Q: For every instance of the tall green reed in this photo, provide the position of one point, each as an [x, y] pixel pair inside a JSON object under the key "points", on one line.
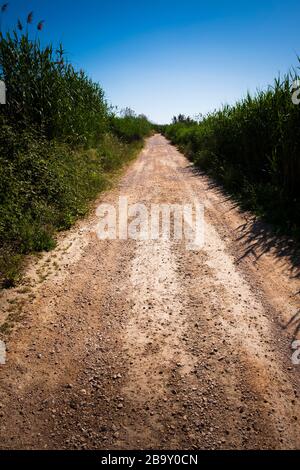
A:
{"points": [[253, 148]]}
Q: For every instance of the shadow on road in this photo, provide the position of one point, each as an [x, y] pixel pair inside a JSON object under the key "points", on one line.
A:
{"points": [[256, 236], [259, 238]]}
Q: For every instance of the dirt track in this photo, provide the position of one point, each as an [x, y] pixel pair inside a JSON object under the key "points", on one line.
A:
{"points": [[126, 345]]}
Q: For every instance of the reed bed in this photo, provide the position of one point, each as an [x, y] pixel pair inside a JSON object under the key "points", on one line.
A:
{"points": [[253, 149], [59, 143]]}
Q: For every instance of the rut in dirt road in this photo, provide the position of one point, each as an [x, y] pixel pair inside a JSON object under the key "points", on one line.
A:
{"points": [[145, 344]]}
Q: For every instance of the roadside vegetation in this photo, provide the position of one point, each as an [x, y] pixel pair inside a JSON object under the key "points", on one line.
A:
{"points": [[59, 142], [253, 149]]}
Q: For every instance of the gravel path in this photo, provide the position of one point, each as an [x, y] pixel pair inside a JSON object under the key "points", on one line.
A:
{"points": [[145, 344]]}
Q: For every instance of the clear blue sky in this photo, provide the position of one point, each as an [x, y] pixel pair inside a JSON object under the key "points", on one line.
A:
{"points": [[169, 56]]}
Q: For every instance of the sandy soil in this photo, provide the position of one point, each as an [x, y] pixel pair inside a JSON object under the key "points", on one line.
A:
{"points": [[145, 344]]}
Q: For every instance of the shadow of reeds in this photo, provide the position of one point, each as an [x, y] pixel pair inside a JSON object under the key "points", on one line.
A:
{"points": [[256, 236]]}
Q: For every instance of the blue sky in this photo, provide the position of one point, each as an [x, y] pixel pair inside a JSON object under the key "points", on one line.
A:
{"points": [[167, 57]]}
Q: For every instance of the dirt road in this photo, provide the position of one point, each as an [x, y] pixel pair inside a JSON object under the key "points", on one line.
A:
{"points": [[128, 345]]}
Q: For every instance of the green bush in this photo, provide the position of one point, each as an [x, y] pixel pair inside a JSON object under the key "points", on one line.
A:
{"points": [[130, 128]]}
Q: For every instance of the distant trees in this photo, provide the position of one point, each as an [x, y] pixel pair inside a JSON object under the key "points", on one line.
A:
{"points": [[182, 119]]}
